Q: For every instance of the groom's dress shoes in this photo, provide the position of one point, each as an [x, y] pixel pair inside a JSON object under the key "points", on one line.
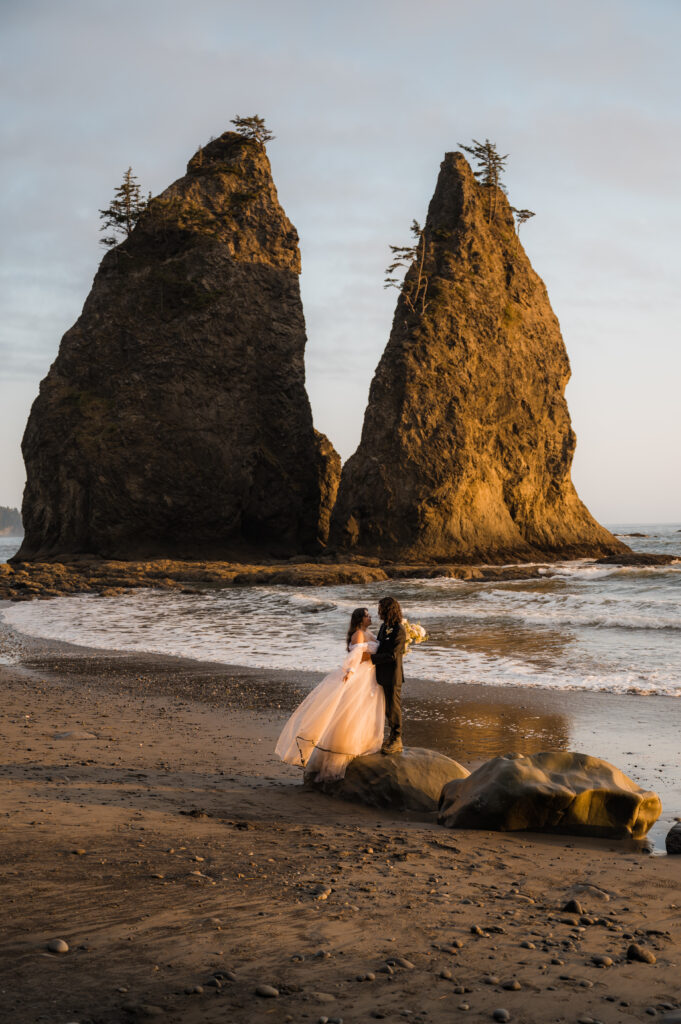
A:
{"points": [[393, 746]]}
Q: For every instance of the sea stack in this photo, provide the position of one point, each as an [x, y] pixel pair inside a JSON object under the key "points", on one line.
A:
{"points": [[467, 446], [175, 419]]}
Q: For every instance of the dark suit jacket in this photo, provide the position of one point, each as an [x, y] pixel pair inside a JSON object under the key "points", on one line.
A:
{"points": [[388, 657]]}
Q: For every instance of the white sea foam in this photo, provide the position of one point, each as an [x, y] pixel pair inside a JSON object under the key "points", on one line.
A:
{"points": [[610, 630]]}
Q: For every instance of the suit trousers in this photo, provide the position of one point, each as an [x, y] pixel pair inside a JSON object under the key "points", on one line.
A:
{"points": [[393, 706]]}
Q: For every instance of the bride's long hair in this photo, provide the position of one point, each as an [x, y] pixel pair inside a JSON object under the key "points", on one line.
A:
{"points": [[355, 621]]}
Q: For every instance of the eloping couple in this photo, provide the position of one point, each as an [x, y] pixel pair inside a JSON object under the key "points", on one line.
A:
{"points": [[343, 717]]}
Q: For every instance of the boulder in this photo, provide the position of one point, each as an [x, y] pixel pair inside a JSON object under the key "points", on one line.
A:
{"points": [[672, 840], [467, 446], [175, 420], [556, 791], [410, 781]]}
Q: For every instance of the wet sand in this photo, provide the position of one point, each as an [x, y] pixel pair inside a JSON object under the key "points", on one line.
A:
{"points": [[110, 762]]}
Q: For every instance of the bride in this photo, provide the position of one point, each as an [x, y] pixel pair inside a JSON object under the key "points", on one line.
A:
{"points": [[343, 716]]}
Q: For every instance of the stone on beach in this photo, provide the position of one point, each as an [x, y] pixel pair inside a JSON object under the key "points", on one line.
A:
{"points": [[556, 791], [641, 954], [267, 991], [57, 946], [410, 781], [672, 840]]}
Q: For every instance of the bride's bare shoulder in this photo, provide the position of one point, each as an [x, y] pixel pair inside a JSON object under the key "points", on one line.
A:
{"points": [[358, 637]]}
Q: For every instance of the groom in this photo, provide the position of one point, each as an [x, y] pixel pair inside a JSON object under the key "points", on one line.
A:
{"points": [[392, 638]]}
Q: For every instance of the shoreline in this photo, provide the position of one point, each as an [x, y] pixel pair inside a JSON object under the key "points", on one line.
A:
{"points": [[470, 722], [147, 823]]}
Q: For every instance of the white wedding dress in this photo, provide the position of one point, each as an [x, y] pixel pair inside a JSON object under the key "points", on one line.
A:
{"points": [[337, 720]]}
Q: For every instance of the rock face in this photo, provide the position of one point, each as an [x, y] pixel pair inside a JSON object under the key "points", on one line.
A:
{"points": [[467, 446], [558, 791], [175, 419], [410, 781]]}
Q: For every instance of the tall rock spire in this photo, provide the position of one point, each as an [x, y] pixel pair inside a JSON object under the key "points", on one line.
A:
{"points": [[175, 420], [467, 446]]}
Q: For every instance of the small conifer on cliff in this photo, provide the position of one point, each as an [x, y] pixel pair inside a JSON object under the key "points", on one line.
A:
{"points": [[253, 127], [491, 166], [123, 211]]}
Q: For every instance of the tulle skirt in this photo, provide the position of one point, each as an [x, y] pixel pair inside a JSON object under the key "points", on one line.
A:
{"points": [[336, 722]]}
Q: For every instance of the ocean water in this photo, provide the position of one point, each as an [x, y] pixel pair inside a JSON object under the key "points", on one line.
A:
{"points": [[9, 546], [579, 626]]}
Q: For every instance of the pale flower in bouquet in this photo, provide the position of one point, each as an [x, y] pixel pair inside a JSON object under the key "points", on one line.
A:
{"points": [[416, 634]]}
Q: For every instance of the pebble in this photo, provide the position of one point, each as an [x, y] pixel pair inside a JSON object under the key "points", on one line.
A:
{"points": [[401, 961], [527, 945], [267, 991], [79, 853], [651, 1011], [214, 983], [57, 946], [602, 961], [573, 907], [447, 975], [491, 979], [194, 990], [370, 976], [476, 930], [512, 986], [464, 1006], [377, 1014], [501, 1015], [641, 954], [558, 963]]}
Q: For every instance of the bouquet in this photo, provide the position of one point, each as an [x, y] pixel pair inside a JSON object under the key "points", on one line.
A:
{"points": [[416, 634]]}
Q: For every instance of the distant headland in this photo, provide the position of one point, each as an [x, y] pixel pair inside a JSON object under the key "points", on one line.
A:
{"points": [[10, 522]]}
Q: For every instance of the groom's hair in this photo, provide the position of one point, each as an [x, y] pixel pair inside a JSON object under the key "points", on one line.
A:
{"points": [[390, 611]]}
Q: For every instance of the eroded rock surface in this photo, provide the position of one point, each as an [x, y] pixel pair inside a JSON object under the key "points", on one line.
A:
{"points": [[556, 791], [410, 781], [175, 420], [467, 446]]}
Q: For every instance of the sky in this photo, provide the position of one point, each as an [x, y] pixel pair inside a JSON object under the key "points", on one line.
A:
{"points": [[364, 99]]}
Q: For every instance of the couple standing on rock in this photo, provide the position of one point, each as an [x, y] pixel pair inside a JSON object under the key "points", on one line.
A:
{"points": [[343, 717]]}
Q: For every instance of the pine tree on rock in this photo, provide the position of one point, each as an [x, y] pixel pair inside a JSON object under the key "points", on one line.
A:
{"points": [[124, 210]]}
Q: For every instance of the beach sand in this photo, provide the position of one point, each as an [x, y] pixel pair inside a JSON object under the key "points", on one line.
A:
{"points": [[146, 822]]}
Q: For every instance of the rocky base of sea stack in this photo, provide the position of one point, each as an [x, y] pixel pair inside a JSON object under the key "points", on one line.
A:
{"points": [[23, 581]]}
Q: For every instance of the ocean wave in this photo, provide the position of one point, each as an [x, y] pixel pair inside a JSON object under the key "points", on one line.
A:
{"points": [[259, 630]]}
